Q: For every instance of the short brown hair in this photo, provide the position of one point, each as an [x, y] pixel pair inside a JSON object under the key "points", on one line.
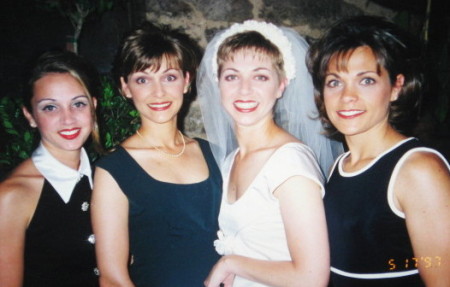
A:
{"points": [[251, 40], [395, 50], [149, 45]]}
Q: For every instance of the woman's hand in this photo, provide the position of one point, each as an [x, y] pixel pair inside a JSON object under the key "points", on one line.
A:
{"points": [[220, 274]]}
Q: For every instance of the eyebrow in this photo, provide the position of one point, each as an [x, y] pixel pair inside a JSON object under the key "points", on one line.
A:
{"points": [[80, 96], [45, 99], [367, 72], [53, 100], [358, 74], [262, 69], [254, 70], [164, 71]]}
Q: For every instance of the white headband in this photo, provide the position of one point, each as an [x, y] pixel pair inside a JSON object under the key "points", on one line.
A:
{"points": [[271, 33]]}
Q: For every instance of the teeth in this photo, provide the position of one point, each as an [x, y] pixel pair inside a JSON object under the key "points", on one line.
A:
{"points": [[350, 113], [69, 133], [245, 105], [163, 105]]}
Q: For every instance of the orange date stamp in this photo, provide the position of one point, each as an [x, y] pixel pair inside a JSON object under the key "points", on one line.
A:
{"points": [[415, 262]]}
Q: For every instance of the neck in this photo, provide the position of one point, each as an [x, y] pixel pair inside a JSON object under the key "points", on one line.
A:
{"points": [[370, 145], [259, 136], [161, 134]]}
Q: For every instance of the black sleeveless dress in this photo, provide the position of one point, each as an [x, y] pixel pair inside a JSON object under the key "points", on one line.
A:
{"points": [[369, 244], [59, 245], [172, 227]]}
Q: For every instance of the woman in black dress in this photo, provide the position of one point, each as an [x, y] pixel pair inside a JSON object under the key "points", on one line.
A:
{"points": [[156, 197], [387, 198], [45, 230]]}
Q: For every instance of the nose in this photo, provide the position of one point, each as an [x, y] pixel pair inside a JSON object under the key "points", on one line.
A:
{"points": [[158, 89], [245, 86], [349, 93], [67, 116]]}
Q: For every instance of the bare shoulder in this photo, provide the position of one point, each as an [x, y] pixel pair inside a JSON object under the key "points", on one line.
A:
{"points": [[424, 179], [423, 165], [22, 187]]}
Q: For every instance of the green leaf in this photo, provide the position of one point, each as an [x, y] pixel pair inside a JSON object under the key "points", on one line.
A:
{"points": [[7, 123]]}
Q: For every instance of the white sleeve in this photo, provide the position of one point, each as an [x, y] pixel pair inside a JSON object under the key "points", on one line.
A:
{"points": [[294, 160]]}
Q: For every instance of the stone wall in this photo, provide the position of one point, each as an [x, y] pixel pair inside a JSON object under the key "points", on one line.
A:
{"points": [[201, 19]]}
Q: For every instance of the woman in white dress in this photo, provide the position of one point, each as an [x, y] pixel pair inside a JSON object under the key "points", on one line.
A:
{"points": [[258, 108]]}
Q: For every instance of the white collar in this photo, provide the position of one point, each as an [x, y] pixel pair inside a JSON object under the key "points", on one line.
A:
{"points": [[62, 178]]}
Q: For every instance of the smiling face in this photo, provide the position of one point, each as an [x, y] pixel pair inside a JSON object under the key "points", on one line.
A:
{"points": [[62, 112], [249, 87], [357, 95], [157, 95]]}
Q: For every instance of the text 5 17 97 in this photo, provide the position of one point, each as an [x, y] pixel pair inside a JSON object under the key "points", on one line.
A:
{"points": [[414, 262]]}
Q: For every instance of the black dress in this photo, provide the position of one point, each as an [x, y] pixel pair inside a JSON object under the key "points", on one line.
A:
{"points": [[172, 227], [59, 245], [369, 243]]}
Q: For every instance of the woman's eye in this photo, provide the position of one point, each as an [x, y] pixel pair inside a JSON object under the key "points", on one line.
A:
{"points": [[262, 78], [48, 108], [80, 104], [368, 81], [332, 83], [171, 78], [230, 77], [141, 80]]}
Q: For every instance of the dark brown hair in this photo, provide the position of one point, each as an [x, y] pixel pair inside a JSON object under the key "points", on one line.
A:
{"points": [[395, 50], [149, 45]]}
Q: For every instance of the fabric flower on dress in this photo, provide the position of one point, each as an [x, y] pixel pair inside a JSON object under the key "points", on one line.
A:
{"points": [[224, 244]]}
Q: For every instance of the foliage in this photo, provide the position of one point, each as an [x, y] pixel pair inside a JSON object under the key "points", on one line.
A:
{"points": [[117, 120], [116, 116], [20, 138]]}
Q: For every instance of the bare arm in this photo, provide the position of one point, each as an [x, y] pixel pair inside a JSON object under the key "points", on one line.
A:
{"points": [[304, 219], [110, 224], [423, 193], [17, 204]]}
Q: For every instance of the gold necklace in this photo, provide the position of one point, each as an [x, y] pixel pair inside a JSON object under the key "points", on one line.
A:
{"points": [[164, 152]]}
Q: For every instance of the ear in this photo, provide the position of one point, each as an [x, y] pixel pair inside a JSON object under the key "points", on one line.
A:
{"points": [[125, 89], [282, 87], [94, 101], [187, 82], [29, 117], [397, 87]]}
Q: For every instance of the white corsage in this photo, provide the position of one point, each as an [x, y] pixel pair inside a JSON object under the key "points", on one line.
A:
{"points": [[271, 33], [224, 244]]}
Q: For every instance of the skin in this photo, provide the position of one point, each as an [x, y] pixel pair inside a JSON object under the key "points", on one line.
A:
{"points": [[167, 86], [158, 96], [249, 88], [62, 113], [357, 103]]}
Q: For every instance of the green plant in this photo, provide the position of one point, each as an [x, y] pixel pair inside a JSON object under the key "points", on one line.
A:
{"points": [[117, 117], [20, 138]]}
